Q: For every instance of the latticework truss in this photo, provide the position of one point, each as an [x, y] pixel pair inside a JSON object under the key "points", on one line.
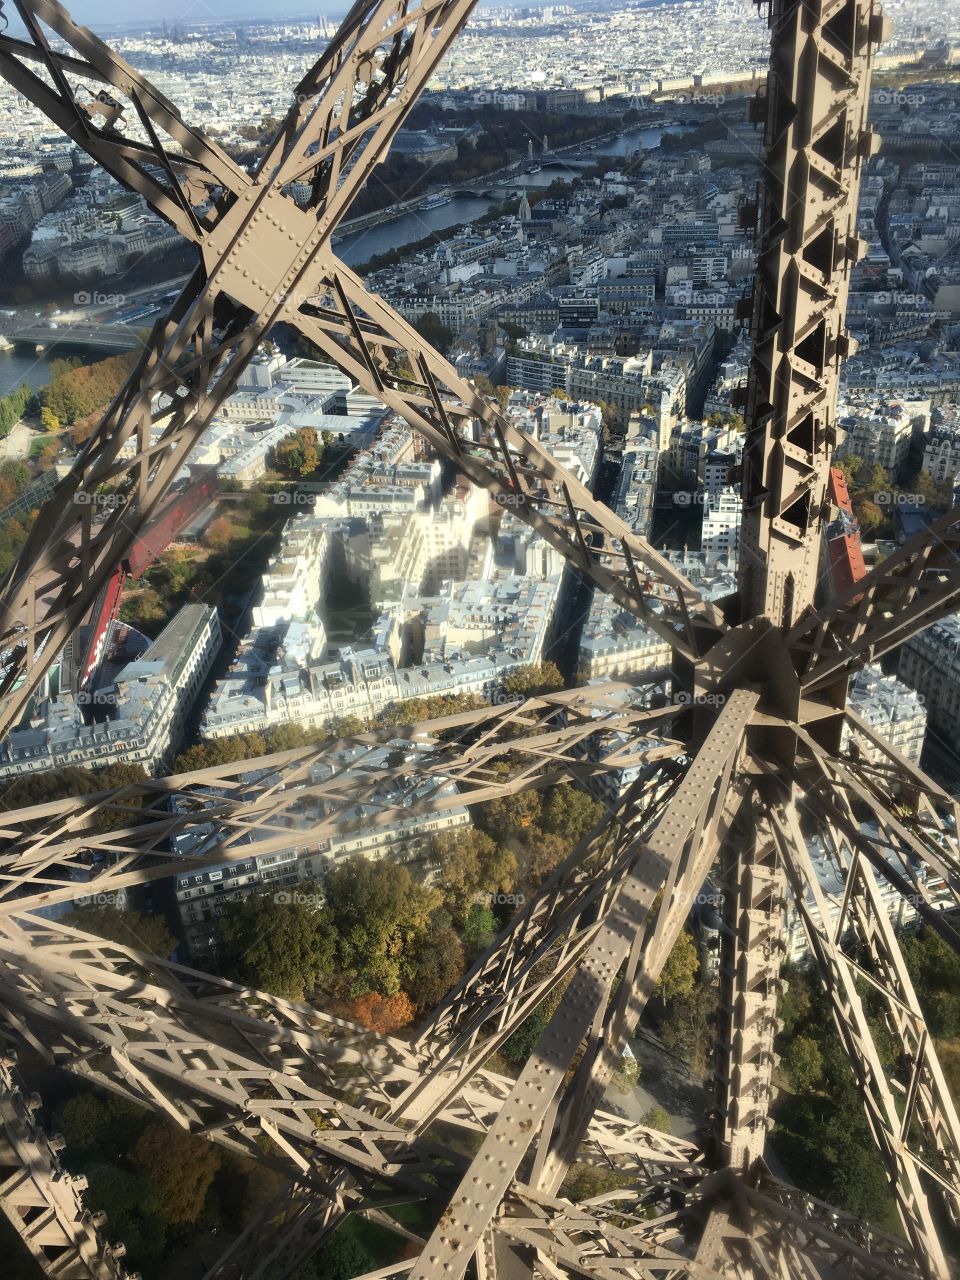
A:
{"points": [[732, 782]]}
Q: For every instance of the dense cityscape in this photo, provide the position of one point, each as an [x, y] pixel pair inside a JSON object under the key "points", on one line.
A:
{"points": [[569, 216]]}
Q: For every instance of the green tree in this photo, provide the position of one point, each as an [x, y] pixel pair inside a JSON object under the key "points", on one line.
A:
{"points": [[286, 737], [584, 1181], [479, 929], [431, 327], [76, 391], [14, 477], [679, 975], [469, 863], [684, 1026], [299, 453], [343, 1256], [570, 812], [510, 816], [205, 755], [377, 916], [518, 1047], [436, 962], [544, 853], [869, 515], [796, 1002], [279, 942], [12, 408], [414, 710], [875, 480], [61, 784], [98, 1126], [540, 677], [803, 1063], [657, 1118], [850, 464], [935, 970], [129, 928], [857, 1181], [132, 1204], [180, 1165]]}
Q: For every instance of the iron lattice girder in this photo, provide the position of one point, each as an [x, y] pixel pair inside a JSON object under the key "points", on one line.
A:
{"points": [[927, 824], [173, 1032], [251, 808], [815, 141], [910, 854], [609, 1238], [175, 167], [915, 586], [834, 1239], [876, 958], [926, 1098], [709, 826], [264, 258], [673, 858], [43, 1202], [549, 933], [763, 1228], [169, 1048]]}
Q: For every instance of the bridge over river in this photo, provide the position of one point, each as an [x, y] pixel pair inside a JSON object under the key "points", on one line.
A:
{"points": [[102, 337]]}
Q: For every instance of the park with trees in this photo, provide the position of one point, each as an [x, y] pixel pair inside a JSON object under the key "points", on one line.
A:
{"points": [[876, 495]]}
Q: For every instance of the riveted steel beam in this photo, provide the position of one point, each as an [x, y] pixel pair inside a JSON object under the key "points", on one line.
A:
{"points": [[815, 141], [43, 1202]]}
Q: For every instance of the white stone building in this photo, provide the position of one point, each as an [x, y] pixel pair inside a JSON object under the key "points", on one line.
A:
{"points": [[930, 663], [892, 709], [720, 534], [147, 707], [202, 897]]}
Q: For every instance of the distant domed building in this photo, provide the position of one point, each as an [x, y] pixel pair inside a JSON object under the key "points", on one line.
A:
{"points": [[423, 146]]}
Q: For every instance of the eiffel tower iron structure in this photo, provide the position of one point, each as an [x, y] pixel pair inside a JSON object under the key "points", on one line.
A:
{"points": [[733, 783]]}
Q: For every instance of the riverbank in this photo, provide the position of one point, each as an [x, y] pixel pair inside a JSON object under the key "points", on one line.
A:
{"points": [[400, 234]]}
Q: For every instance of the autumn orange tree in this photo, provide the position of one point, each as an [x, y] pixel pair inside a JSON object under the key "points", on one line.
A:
{"points": [[383, 1014], [76, 391]]}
